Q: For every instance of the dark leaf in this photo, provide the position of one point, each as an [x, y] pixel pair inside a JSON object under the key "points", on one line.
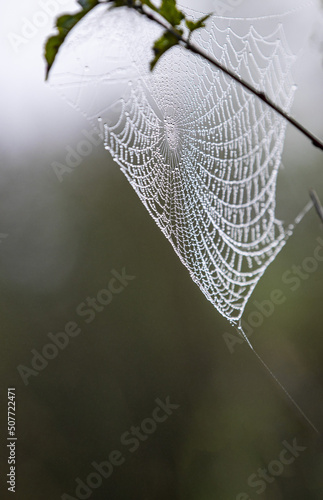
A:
{"points": [[164, 43], [51, 49], [170, 12], [64, 25], [66, 22], [119, 3]]}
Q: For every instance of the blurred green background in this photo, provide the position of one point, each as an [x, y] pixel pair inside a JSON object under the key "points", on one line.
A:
{"points": [[160, 337]]}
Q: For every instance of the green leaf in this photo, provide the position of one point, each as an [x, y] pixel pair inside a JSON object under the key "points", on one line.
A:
{"points": [[170, 12], [164, 43], [167, 10], [64, 25], [66, 22], [119, 3], [192, 26]]}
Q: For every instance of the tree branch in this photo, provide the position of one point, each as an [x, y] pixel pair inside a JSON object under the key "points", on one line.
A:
{"points": [[171, 20], [317, 204], [260, 94]]}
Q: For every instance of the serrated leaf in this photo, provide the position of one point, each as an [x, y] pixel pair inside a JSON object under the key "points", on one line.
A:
{"points": [[64, 25], [164, 43]]}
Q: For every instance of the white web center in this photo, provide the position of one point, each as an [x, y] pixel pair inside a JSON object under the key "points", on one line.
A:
{"points": [[172, 132]]}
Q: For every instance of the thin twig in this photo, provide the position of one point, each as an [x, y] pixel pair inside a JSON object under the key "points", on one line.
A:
{"points": [[260, 94], [317, 204]]}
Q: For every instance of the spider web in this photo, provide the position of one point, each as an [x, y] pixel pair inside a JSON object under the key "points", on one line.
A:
{"points": [[201, 152]]}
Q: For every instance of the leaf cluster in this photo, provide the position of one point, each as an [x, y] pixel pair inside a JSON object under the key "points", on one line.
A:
{"points": [[167, 11]]}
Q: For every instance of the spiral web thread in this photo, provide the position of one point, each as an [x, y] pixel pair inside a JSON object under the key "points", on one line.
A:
{"points": [[203, 155]]}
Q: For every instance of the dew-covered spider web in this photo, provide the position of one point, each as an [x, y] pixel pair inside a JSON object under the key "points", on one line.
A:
{"points": [[201, 152]]}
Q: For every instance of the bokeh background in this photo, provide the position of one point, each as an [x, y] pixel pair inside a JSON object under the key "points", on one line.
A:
{"points": [[160, 337]]}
